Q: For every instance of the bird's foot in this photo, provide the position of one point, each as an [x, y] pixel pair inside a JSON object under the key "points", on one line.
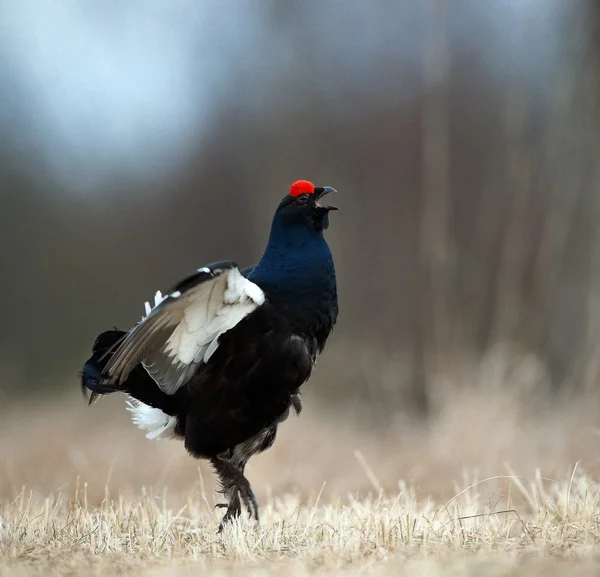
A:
{"points": [[234, 510], [239, 491], [249, 499]]}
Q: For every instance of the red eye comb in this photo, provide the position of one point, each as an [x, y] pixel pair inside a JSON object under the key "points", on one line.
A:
{"points": [[302, 187]]}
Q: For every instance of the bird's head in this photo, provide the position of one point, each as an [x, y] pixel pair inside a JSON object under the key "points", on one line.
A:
{"points": [[301, 207], [297, 263]]}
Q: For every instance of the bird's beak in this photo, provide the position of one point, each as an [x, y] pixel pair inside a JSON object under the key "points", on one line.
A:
{"points": [[321, 192]]}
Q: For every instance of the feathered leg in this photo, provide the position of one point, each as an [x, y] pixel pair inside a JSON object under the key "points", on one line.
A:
{"points": [[230, 468], [234, 486], [232, 496]]}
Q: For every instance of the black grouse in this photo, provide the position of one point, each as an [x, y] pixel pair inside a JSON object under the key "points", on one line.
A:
{"points": [[219, 360]]}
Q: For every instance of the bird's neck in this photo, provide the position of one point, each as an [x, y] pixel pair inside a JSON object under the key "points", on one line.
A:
{"points": [[296, 267]]}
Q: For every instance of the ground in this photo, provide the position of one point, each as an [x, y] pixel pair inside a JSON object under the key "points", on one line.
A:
{"points": [[386, 535], [502, 489]]}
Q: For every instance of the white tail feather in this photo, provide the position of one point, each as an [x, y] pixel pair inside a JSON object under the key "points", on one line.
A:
{"points": [[158, 424]]}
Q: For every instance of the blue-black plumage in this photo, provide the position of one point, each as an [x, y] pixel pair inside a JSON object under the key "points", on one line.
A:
{"points": [[219, 360]]}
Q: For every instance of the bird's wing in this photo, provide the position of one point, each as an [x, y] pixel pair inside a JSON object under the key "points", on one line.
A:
{"points": [[247, 270], [181, 332]]}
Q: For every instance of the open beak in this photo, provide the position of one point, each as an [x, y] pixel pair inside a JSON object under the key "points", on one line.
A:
{"points": [[321, 192]]}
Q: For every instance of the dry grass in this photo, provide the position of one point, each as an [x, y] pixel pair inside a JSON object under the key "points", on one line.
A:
{"points": [[557, 523], [83, 493]]}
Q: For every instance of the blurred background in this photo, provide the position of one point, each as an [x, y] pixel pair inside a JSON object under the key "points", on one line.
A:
{"points": [[142, 139]]}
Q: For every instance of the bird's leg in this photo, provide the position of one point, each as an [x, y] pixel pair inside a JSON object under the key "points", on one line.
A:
{"points": [[233, 506], [230, 490], [234, 486]]}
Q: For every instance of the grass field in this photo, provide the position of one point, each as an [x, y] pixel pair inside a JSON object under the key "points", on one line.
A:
{"points": [[500, 482], [397, 534]]}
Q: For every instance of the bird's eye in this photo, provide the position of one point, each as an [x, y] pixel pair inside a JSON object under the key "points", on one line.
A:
{"points": [[302, 199]]}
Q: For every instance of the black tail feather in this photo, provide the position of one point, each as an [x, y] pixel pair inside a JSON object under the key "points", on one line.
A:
{"points": [[91, 375], [139, 383]]}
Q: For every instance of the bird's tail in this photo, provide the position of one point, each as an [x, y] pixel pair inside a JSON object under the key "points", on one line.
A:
{"points": [[91, 375], [139, 384]]}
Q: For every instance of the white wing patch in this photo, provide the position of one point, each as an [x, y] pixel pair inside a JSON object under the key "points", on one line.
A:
{"points": [[195, 339], [158, 298], [158, 424], [181, 331]]}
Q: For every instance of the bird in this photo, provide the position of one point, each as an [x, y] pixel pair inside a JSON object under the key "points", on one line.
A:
{"points": [[218, 360]]}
